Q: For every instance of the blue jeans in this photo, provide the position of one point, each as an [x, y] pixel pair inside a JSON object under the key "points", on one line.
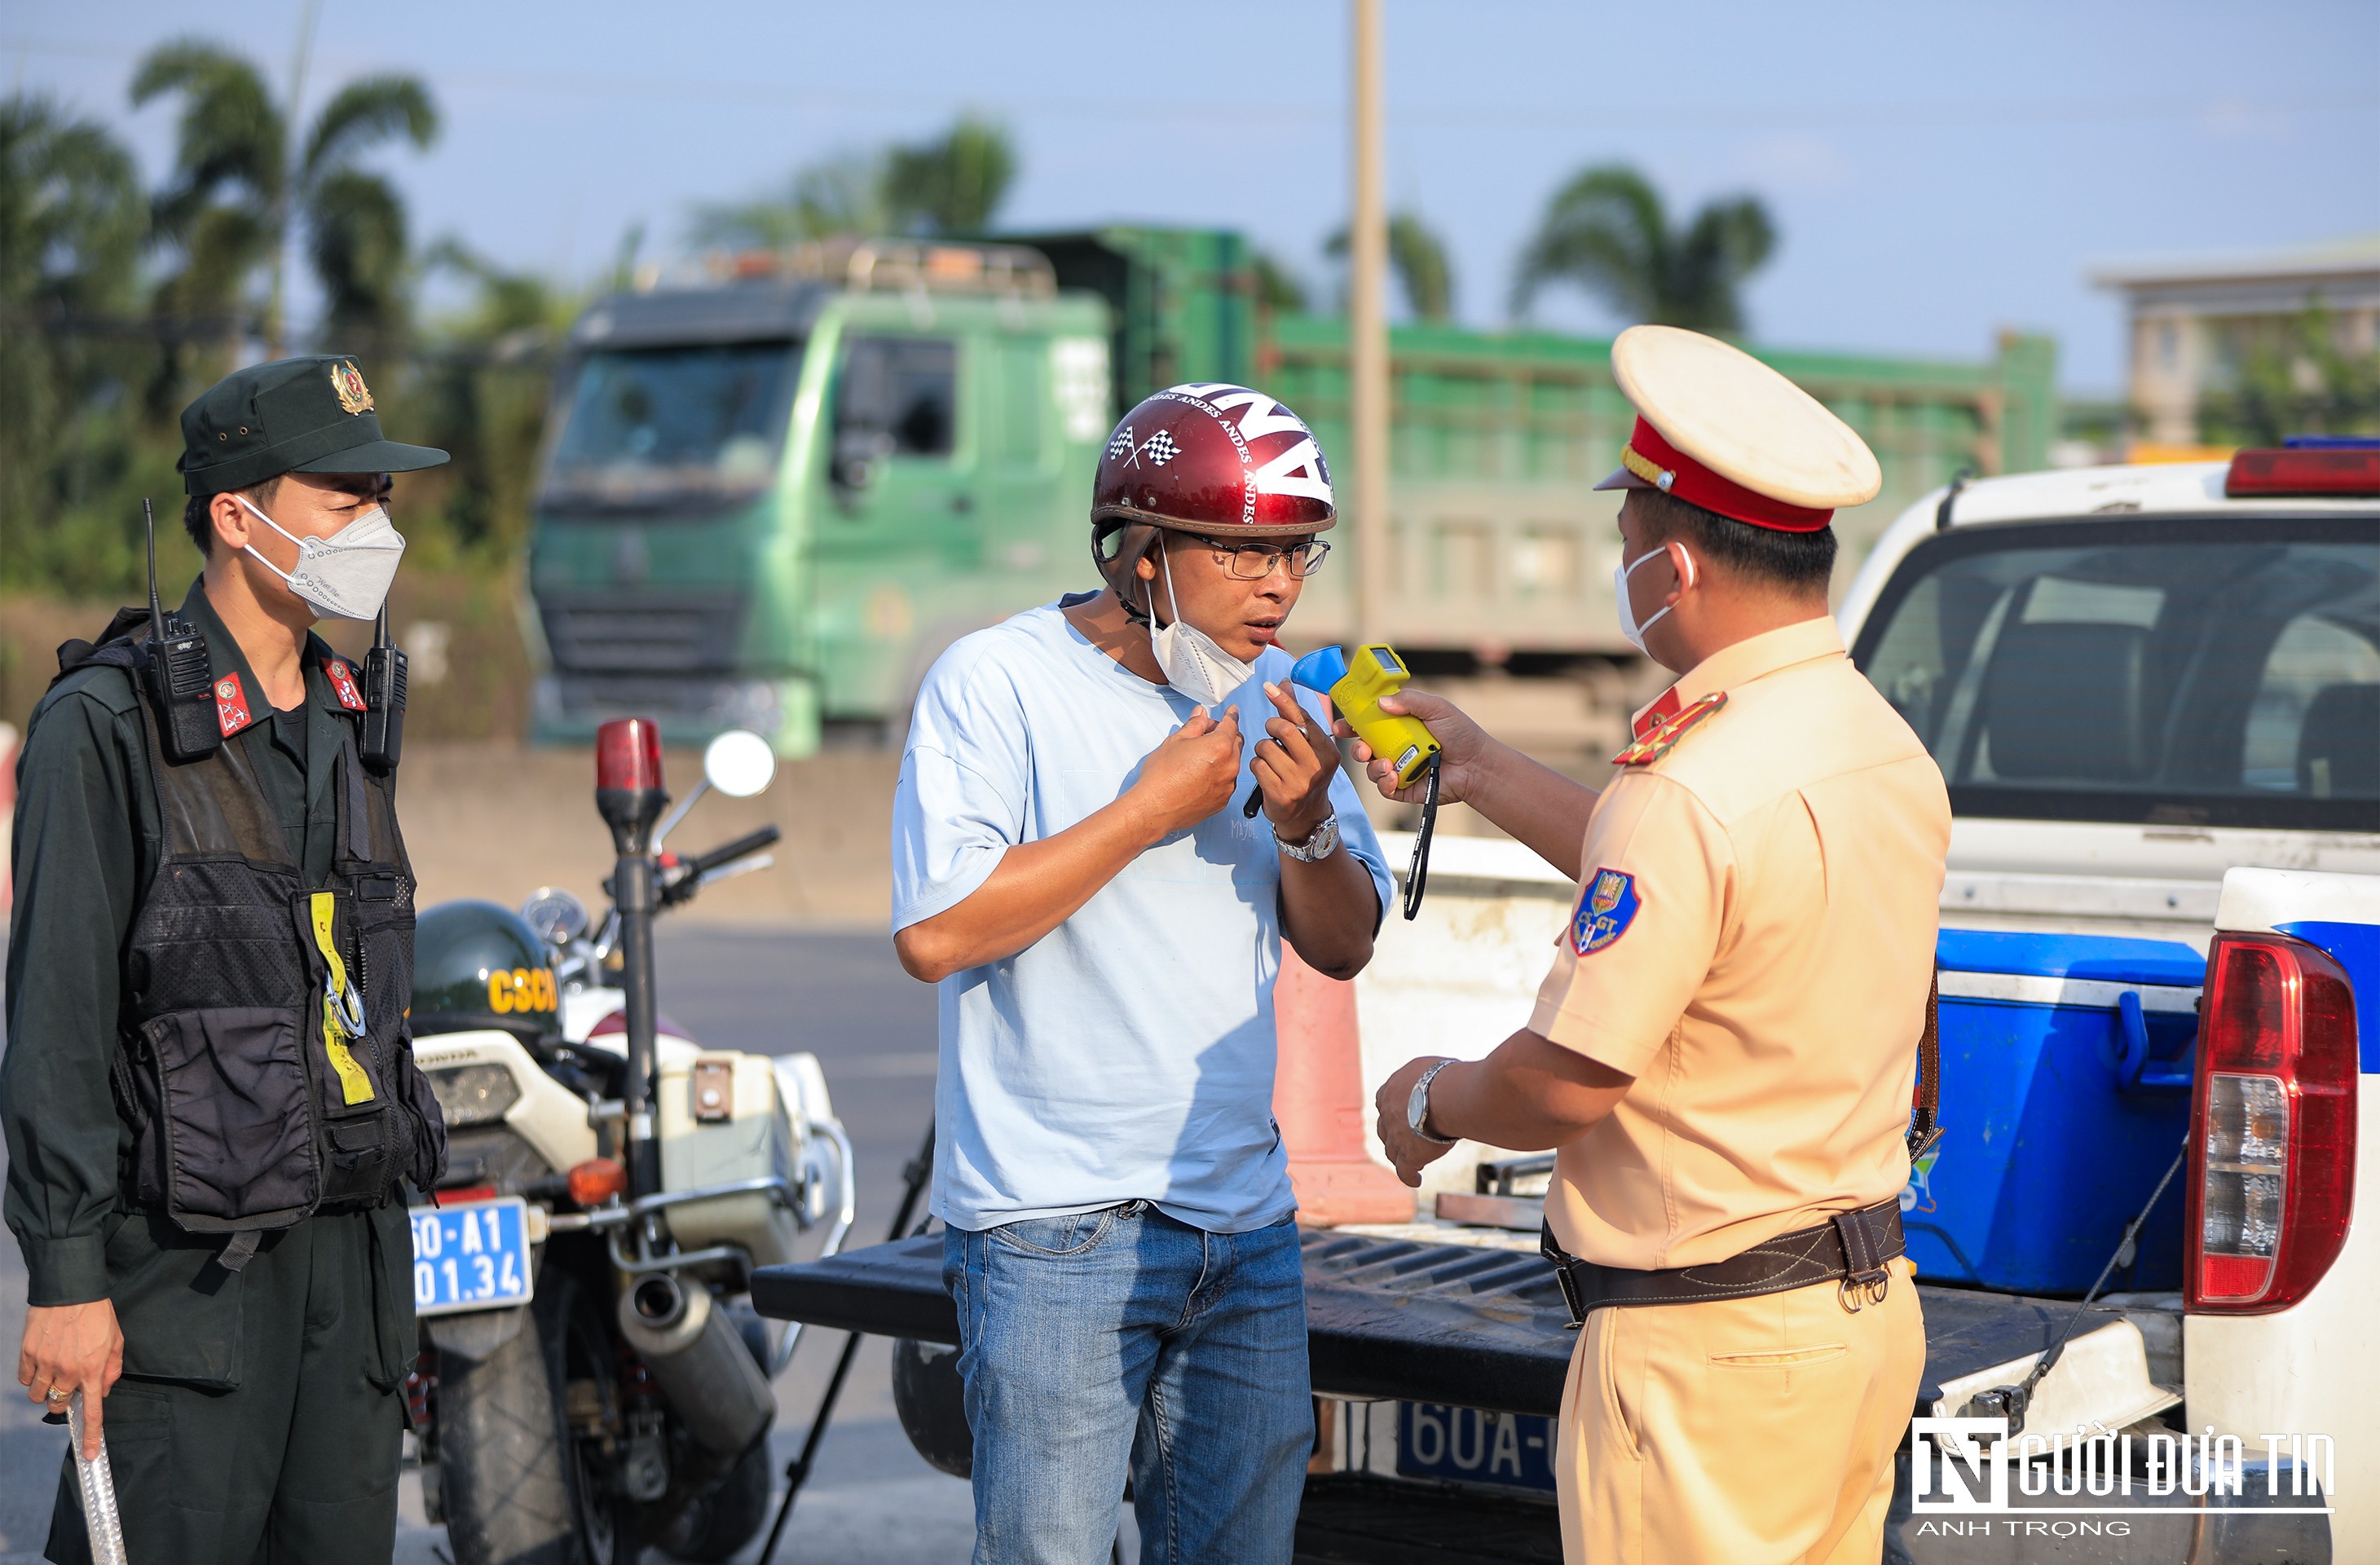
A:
{"points": [[1122, 1340]]}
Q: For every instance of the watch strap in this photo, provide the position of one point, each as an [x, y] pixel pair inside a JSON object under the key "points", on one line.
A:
{"points": [[1418, 1123]]}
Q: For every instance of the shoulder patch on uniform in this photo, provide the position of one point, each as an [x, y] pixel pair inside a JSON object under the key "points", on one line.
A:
{"points": [[1605, 910], [1660, 739], [342, 683], [231, 706]]}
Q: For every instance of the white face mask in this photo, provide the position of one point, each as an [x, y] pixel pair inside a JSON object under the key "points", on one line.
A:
{"points": [[1620, 575], [346, 575], [1194, 664]]}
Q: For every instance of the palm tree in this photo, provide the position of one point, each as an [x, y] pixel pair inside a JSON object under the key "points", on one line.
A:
{"points": [[953, 183], [71, 224], [241, 185], [1278, 287], [1608, 233], [487, 370], [1418, 257], [844, 194], [947, 186]]}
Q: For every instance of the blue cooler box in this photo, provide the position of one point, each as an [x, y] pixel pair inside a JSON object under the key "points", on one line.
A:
{"points": [[2066, 1065]]}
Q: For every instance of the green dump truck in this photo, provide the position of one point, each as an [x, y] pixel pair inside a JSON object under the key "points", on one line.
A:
{"points": [[774, 493]]}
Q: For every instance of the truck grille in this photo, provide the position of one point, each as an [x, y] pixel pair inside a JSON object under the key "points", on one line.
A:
{"points": [[642, 632]]}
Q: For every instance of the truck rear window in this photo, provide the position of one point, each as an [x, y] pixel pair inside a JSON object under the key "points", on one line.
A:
{"points": [[653, 425], [2198, 671]]}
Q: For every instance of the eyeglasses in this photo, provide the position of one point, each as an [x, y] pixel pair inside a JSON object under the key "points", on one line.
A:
{"points": [[1254, 562]]}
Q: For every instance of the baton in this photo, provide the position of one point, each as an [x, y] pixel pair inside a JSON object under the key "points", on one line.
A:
{"points": [[97, 1487]]}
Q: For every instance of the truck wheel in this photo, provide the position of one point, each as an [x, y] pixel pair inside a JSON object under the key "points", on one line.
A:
{"points": [[507, 1475], [714, 1526]]}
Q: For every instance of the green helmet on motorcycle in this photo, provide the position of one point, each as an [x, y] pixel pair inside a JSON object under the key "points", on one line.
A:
{"points": [[477, 966]]}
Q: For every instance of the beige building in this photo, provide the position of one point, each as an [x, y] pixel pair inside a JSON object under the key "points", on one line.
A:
{"points": [[2194, 322]]}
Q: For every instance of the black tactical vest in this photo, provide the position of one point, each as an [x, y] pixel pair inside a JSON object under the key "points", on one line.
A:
{"points": [[265, 1066]]}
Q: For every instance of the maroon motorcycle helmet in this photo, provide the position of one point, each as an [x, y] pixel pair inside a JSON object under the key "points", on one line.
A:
{"points": [[1211, 458]]}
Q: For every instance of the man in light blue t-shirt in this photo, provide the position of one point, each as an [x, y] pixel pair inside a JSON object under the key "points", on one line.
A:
{"points": [[1072, 866]]}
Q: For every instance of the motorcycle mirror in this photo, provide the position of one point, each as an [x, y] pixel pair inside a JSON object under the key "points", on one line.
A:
{"points": [[739, 763]]}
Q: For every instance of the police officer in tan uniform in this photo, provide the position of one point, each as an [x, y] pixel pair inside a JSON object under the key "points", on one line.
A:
{"points": [[1725, 1049]]}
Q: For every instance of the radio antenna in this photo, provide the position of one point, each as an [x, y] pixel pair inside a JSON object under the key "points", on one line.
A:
{"points": [[156, 610]]}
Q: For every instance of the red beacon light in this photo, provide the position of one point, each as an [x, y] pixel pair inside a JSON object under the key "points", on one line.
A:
{"points": [[628, 755], [628, 793], [2307, 466]]}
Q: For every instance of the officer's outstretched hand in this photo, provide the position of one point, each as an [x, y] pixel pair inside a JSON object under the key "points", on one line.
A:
{"points": [[1408, 1153], [72, 1348], [1465, 748], [1191, 775]]}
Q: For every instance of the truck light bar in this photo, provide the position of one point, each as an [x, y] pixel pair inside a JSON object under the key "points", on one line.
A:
{"points": [[2305, 471], [2272, 1152]]}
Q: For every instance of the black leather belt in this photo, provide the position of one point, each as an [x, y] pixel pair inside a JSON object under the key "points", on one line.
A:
{"points": [[1851, 1249]]}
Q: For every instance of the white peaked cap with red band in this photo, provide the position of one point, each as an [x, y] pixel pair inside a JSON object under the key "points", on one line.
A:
{"points": [[1718, 429]]}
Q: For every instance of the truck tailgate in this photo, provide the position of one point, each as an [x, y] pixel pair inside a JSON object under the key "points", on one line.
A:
{"points": [[1390, 1318]]}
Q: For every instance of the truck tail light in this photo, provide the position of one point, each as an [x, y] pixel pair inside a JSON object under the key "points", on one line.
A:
{"points": [[2313, 470], [2272, 1151]]}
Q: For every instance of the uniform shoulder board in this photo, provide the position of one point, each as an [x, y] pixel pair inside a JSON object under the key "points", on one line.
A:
{"points": [[1660, 739]]}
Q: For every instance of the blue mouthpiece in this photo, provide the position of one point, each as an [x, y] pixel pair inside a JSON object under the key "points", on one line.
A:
{"points": [[1320, 669]]}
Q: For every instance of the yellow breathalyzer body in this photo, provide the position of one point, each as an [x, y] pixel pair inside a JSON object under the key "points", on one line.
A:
{"points": [[1355, 686]]}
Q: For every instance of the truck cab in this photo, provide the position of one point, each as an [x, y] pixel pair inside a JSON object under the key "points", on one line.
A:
{"points": [[774, 494]]}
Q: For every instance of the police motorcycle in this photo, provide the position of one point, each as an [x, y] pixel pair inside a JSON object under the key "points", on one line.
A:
{"points": [[592, 1378]]}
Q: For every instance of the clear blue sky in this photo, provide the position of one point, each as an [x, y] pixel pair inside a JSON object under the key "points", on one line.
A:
{"points": [[1937, 172]]}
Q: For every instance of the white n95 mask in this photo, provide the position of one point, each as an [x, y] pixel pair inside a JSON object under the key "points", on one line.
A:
{"points": [[346, 575], [1194, 664], [1620, 575]]}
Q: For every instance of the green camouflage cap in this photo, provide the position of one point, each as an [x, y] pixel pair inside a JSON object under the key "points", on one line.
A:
{"points": [[310, 415]]}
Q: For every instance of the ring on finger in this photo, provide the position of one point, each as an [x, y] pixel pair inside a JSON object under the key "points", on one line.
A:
{"points": [[57, 1395]]}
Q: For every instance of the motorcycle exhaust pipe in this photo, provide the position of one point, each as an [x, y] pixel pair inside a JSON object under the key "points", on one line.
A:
{"points": [[700, 1363]]}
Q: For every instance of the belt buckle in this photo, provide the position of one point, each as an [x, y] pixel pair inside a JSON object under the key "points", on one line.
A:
{"points": [[1562, 1278], [1571, 1300]]}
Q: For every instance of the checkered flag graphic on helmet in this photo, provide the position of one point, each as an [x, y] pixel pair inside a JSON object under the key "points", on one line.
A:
{"points": [[1120, 441], [1159, 448]]}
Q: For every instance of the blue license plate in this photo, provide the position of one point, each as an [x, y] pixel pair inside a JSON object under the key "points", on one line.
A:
{"points": [[1467, 1445], [470, 1258]]}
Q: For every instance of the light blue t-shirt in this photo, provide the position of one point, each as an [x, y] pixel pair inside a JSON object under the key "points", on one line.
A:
{"points": [[1127, 1054]]}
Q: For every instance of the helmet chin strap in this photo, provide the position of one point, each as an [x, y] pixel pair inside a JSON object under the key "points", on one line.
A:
{"points": [[1123, 567]]}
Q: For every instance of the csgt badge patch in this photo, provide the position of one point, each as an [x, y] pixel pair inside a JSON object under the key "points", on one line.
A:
{"points": [[1605, 912]]}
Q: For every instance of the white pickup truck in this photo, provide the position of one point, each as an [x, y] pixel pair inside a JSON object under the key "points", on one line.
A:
{"points": [[2154, 694]]}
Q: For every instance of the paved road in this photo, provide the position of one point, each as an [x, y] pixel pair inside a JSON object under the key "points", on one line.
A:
{"points": [[872, 1500]]}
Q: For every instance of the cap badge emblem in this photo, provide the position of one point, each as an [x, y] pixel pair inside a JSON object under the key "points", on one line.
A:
{"points": [[348, 381]]}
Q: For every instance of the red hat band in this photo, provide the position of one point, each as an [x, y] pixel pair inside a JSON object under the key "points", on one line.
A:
{"points": [[1671, 471]]}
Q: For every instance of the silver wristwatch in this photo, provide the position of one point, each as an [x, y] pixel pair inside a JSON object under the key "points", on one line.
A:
{"points": [[1319, 843], [1418, 1108]]}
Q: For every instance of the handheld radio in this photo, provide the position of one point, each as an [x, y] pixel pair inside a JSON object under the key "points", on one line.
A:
{"points": [[384, 734], [1406, 742], [175, 668]]}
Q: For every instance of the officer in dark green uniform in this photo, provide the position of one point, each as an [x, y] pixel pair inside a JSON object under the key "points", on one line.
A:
{"points": [[208, 1093]]}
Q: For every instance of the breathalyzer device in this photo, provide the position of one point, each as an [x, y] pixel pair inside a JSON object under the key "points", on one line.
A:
{"points": [[1356, 689]]}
